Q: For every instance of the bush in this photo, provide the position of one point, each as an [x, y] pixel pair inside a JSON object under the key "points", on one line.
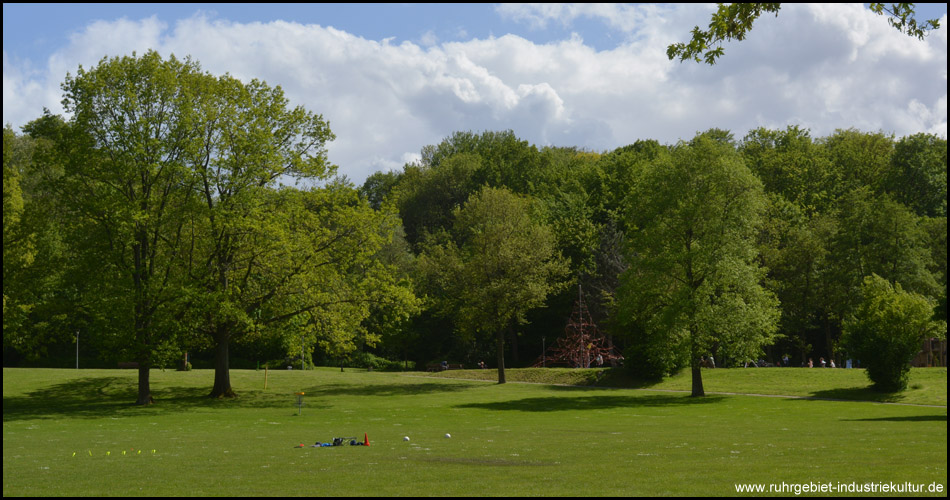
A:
{"points": [[651, 356], [369, 360], [887, 329]]}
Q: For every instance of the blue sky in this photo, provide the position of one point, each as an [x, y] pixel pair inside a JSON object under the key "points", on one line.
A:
{"points": [[35, 30], [392, 78]]}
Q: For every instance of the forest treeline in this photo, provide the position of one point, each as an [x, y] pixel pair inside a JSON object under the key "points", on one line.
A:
{"points": [[175, 211]]}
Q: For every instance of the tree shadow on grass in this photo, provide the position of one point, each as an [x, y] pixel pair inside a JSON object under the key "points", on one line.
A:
{"points": [[393, 389], [859, 394], [592, 402], [98, 397], [83, 398]]}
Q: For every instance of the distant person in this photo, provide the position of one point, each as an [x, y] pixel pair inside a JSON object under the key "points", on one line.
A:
{"points": [[831, 363], [481, 364], [712, 361], [821, 361], [445, 365], [785, 360], [600, 360], [811, 364]]}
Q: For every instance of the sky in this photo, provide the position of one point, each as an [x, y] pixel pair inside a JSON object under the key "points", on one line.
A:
{"points": [[393, 78]]}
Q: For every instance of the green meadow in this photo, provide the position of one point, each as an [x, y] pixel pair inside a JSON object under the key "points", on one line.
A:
{"points": [[75, 433]]}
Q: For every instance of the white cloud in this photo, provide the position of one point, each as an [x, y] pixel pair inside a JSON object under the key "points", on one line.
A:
{"points": [[820, 67]]}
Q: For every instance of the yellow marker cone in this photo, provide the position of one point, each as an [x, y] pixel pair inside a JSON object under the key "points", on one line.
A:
{"points": [[74, 453], [90, 452], [123, 452], [140, 452], [108, 453]]}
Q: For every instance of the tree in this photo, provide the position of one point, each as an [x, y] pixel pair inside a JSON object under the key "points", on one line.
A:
{"points": [[501, 264], [249, 140], [886, 331], [694, 283], [134, 120], [733, 21]]}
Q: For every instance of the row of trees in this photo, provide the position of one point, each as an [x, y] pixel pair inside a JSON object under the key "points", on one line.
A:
{"points": [[740, 249], [179, 211], [161, 216]]}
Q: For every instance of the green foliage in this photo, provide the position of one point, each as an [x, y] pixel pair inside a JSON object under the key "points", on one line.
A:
{"points": [[498, 264], [17, 244], [369, 360], [901, 17], [886, 331], [858, 159], [877, 236], [730, 21], [918, 174], [789, 163], [693, 285], [427, 196], [733, 21], [124, 190]]}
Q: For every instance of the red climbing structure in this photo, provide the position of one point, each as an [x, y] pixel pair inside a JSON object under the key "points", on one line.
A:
{"points": [[581, 344]]}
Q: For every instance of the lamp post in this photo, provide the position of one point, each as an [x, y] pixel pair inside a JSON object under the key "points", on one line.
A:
{"points": [[77, 349]]}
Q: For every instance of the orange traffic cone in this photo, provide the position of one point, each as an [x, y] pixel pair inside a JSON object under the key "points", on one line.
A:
{"points": [[365, 439]]}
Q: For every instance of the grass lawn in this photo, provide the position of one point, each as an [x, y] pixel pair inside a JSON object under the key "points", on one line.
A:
{"points": [[514, 439]]}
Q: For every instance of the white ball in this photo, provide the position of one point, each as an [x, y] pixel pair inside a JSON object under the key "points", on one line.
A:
{"points": [[405, 438], [448, 435]]}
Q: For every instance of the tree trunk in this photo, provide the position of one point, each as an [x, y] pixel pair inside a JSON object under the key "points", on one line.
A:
{"points": [[501, 356], [697, 381], [222, 375], [142, 316], [145, 393]]}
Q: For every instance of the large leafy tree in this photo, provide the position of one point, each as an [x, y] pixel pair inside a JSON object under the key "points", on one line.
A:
{"points": [[694, 284], [500, 263], [250, 139], [135, 123]]}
